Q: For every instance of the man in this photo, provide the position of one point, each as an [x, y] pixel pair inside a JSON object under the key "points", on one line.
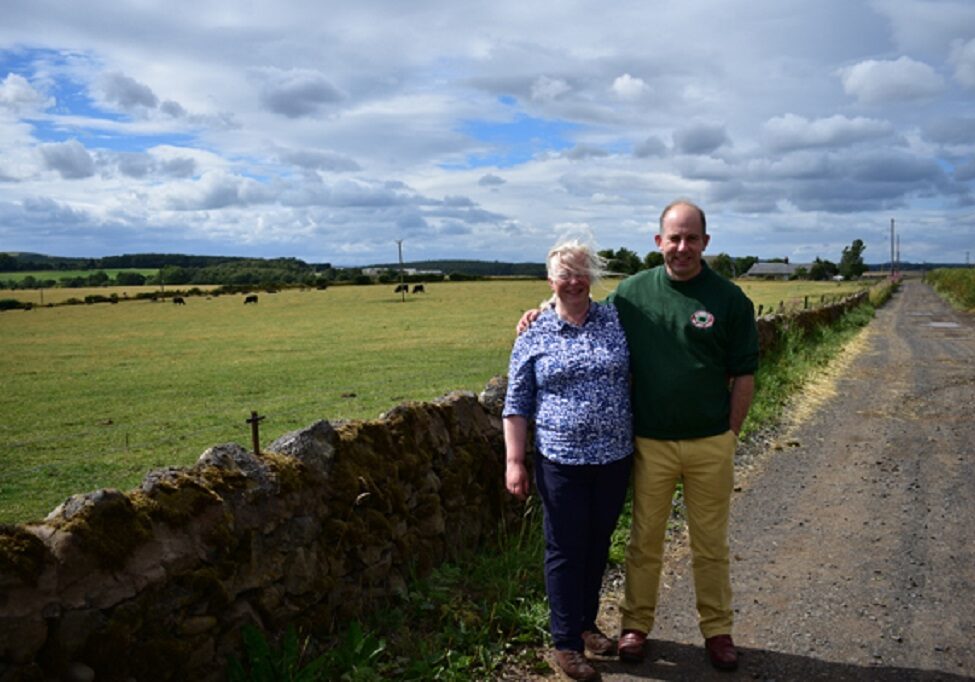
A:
{"points": [[694, 352]]}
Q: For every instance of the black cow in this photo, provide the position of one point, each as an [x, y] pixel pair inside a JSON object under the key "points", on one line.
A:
{"points": [[178, 300], [405, 288], [418, 289], [251, 299]]}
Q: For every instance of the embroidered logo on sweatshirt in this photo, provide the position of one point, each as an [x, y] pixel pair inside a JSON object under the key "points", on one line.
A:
{"points": [[702, 319]]}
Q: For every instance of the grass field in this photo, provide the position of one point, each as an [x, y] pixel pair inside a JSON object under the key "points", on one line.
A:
{"points": [[96, 395]]}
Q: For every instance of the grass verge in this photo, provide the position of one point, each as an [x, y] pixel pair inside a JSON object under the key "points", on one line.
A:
{"points": [[955, 285]]}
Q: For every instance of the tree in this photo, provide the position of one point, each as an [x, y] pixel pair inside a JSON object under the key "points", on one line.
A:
{"points": [[723, 265], [130, 279], [652, 260], [851, 262], [622, 262], [744, 264], [174, 274], [8, 263], [822, 269], [98, 279]]}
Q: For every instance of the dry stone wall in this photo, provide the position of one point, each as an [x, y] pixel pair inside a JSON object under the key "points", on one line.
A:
{"points": [[773, 328], [326, 524]]}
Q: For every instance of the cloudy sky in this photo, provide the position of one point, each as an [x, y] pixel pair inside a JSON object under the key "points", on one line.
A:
{"points": [[329, 130]]}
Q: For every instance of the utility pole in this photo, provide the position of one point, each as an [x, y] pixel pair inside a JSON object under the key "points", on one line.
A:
{"points": [[402, 286], [898, 252], [891, 247]]}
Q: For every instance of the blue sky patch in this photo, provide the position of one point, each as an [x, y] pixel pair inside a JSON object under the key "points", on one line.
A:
{"points": [[93, 138], [518, 140], [44, 69]]}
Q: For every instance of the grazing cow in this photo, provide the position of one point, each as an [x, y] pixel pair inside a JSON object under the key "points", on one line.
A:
{"points": [[418, 289], [405, 288], [178, 300], [251, 299]]}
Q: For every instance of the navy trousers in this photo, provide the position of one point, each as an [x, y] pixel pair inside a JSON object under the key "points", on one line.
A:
{"points": [[582, 504]]}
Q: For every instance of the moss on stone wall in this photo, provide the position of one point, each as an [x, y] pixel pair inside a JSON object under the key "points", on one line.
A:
{"points": [[21, 554], [109, 528]]}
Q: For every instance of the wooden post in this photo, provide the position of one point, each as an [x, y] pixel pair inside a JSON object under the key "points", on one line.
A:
{"points": [[255, 433]]}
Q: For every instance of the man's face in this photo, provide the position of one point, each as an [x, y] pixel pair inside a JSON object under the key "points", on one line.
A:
{"points": [[682, 241]]}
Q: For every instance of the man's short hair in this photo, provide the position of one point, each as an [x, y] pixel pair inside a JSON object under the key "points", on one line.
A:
{"points": [[691, 204]]}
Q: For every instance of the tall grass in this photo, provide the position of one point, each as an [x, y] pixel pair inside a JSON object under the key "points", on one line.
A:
{"points": [[956, 285]]}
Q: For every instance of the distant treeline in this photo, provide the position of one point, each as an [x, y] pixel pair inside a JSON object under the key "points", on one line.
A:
{"points": [[25, 262], [180, 269]]}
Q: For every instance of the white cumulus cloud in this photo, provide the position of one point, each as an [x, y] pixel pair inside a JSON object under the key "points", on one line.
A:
{"points": [[628, 87], [876, 82], [790, 132], [19, 96]]}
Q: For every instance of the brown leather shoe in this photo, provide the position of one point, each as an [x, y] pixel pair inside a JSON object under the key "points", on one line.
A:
{"points": [[721, 651], [632, 646], [598, 644], [574, 665]]}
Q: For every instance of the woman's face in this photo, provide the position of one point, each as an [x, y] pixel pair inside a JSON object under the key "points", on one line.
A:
{"points": [[570, 280]]}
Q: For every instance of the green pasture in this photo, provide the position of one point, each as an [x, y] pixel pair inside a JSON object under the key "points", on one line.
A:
{"points": [[96, 395]]}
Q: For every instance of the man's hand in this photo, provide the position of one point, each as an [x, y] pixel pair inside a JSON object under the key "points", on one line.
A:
{"points": [[742, 390], [526, 320]]}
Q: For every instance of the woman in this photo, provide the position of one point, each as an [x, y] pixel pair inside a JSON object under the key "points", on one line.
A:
{"points": [[569, 375]]}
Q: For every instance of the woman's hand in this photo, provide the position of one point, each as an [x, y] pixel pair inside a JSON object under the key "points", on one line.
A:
{"points": [[515, 473], [516, 479]]}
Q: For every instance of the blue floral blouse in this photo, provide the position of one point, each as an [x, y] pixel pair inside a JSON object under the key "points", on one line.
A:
{"points": [[573, 381]]}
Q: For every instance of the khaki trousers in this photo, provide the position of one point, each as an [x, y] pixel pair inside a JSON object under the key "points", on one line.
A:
{"points": [[706, 466]]}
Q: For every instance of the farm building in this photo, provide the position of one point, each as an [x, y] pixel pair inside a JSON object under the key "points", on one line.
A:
{"points": [[774, 270]]}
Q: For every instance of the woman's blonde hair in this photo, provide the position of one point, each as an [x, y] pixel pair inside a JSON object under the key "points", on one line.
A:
{"points": [[585, 260]]}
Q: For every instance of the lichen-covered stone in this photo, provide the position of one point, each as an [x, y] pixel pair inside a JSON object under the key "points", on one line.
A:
{"points": [[22, 556], [107, 526], [492, 397], [313, 445]]}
